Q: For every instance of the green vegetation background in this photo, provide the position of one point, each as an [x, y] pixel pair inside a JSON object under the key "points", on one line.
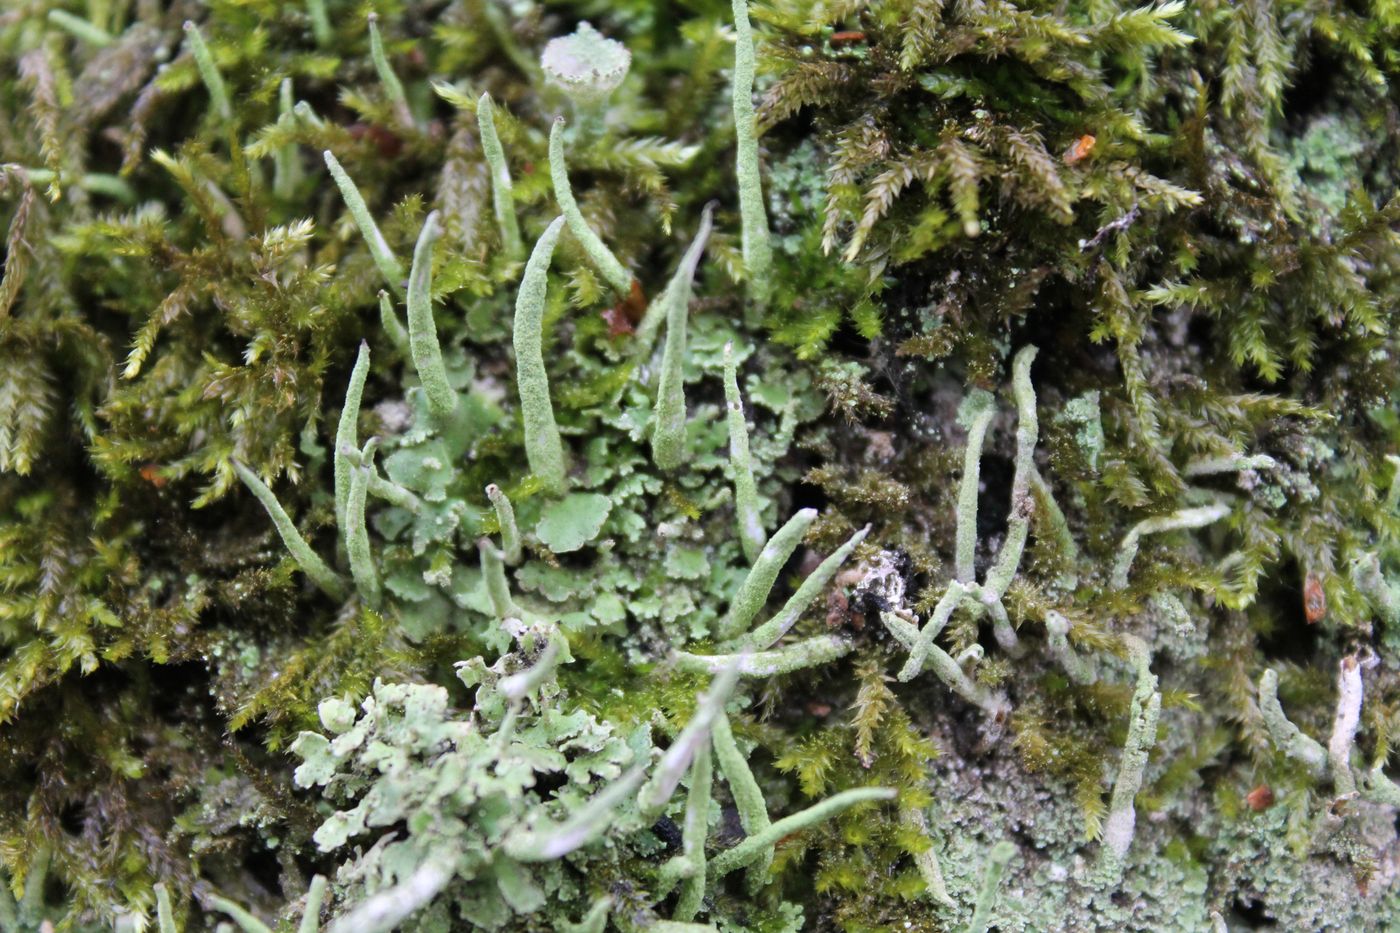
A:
{"points": [[1189, 209]]}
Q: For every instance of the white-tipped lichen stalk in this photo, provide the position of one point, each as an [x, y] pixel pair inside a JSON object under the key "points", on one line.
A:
{"points": [[598, 253], [757, 247], [502, 199], [1008, 559], [1181, 520], [754, 847], [356, 529], [1057, 640], [393, 88], [748, 796], [209, 73], [308, 115], [747, 512], [696, 733], [767, 634], [810, 652], [1121, 822], [80, 28], [975, 414], [422, 331], [505, 517], [752, 594], [997, 860], [550, 841], [697, 824], [668, 436], [346, 431], [543, 448], [310, 563], [384, 258]]}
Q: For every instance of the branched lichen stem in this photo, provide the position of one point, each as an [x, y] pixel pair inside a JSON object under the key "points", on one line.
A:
{"points": [[752, 594], [767, 634], [810, 652], [743, 787], [550, 841], [754, 847], [1119, 827], [1008, 559], [697, 825], [696, 733], [1180, 520]]}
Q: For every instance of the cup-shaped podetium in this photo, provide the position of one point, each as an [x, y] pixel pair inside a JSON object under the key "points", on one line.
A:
{"points": [[587, 65]]}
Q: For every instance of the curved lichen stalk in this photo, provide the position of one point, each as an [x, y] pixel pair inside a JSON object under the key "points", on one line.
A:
{"points": [[422, 331], [393, 87], [346, 432], [502, 196], [543, 448], [598, 253], [384, 258], [309, 561]]}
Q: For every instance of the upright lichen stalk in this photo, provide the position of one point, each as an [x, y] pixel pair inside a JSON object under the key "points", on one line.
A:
{"points": [[501, 191], [747, 511], [758, 250], [422, 331], [668, 431], [543, 448]]}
